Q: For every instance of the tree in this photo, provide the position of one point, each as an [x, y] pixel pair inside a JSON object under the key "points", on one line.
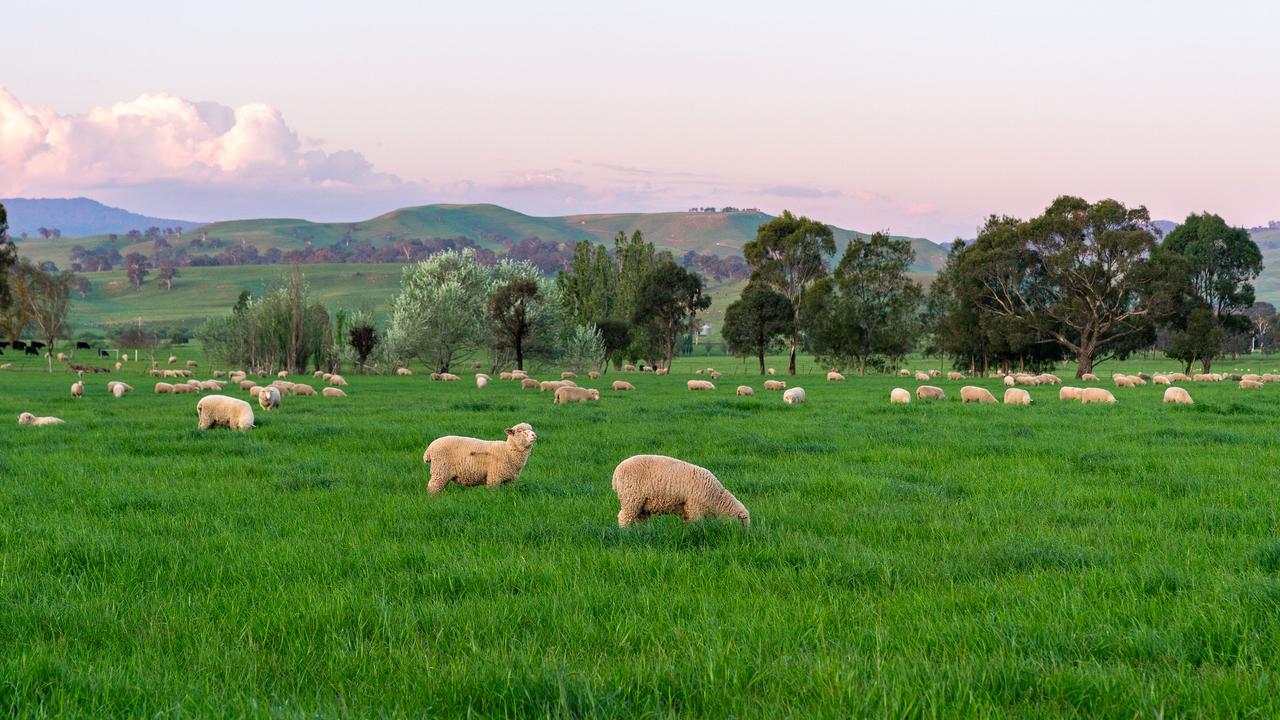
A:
{"points": [[509, 310], [364, 338], [789, 254], [8, 256], [669, 300], [49, 302], [590, 285], [584, 348], [137, 267], [166, 275], [21, 282], [1201, 340], [755, 320], [439, 315], [617, 337]]}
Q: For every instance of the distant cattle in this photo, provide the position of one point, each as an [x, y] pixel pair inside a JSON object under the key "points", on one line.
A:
{"points": [[18, 345], [82, 345], [35, 344], [32, 351], [103, 353]]}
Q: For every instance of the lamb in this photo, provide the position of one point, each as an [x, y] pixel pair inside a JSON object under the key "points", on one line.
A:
{"points": [[930, 392], [1070, 393], [118, 390], [922, 376], [771, 371], [269, 398], [333, 392], [648, 485], [834, 376], [1250, 385], [126, 387], [305, 390], [975, 394], [1089, 377], [468, 461], [567, 395], [775, 384], [164, 388], [404, 371], [1093, 396], [530, 384], [481, 380], [1017, 396], [593, 375], [953, 375], [700, 385], [793, 396], [1177, 396], [173, 359], [568, 376], [623, 386], [745, 390], [899, 396], [222, 411], [660, 371], [27, 418], [77, 389]]}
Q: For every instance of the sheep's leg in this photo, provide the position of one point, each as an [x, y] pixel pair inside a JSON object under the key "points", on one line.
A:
{"points": [[626, 516], [691, 513], [439, 479]]}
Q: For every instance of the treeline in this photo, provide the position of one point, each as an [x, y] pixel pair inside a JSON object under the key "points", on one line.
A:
{"points": [[32, 297]]}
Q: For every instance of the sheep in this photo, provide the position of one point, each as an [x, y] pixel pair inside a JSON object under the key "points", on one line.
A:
{"points": [[504, 375], [519, 374], [164, 388], [648, 485], [6, 366], [339, 381], [284, 385], [1026, 379], [700, 385], [222, 411], [210, 385], [1124, 381], [124, 357], [568, 376], [1202, 377], [1093, 396], [1270, 377], [623, 385], [935, 373], [117, 391], [628, 368], [1137, 380], [482, 380], [593, 375], [771, 371], [236, 376], [404, 371], [319, 374], [744, 391], [304, 390], [1048, 379], [449, 377], [192, 363], [567, 395], [922, 376], [1009, 381], [119, 367], [1017, 396], [127, 387], [1069, 393], [646, 368], [775, 384], [930, 392], [256, 390], [834, 376], [793, 396], [715, 375], [1177, 396], [269, 398], [953, 375], [77, 389], [530, 384], [554, 385], [468, 461], [1160, 379], [333, 392], [1088, 377], [183, 389], [282, 374], [1252, 378], [975, 394], [62, 357], [1250, 385], [248, 384], [904, 373], [899, 396], [173, 359], [27, 418]]}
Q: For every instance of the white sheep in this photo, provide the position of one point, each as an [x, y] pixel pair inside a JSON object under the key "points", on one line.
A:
{"points": [[1017, 396], [333, 392], [593, 375], [975, 394], [1250, 385], [482, 380], [835, 376], [628, 368], [118, 390], [1093, 396], [744, 390], [793, 396], [184, 389], [77, 389], [248, 384], [904, 373], [930, 392], [282, 374], [568, 375], [1009, 381], [192, 363], [568, 394], [953, 375], [268, 398], [404, 371], [1177, 396], [623, 385], [554, 385], [700, 385], [303, 390], [1088, 377], [449, 377], [127, 387], [530, 384], [922, 376], [468, 461], [222, 411], [771, 371], [27, 418], [339, 381], [1160, 379], [899, 396], [714, 375], [648, 485], [256, 390], [1069, 393], [164, 388], [775, 384]]}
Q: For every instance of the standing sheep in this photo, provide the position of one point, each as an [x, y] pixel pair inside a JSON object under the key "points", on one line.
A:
{"points": [[835, 376], [1177, 396], [593, 375], [975, 394], [745, 390], [303, 390], [482, 380], [771, 371], [953, 375], [922, 376], [568, 375], [567, 395], [775, 384], [1089, 377], [333, 392], [269, 398], [1094, 396], [794, 396], [930, 392], [164, 388], [27, 418], [623, 385], [222, 411], [1017, 396], [700, 385], [530, 384], [1069, 393], [77, 389], [899, 396], [468, 461], [648, 485]]}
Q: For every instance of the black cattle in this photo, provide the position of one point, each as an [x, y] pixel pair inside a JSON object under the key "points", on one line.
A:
{"points": [[32, 351], [35, 344], [82, 345], [103, 353], [18, 345]]}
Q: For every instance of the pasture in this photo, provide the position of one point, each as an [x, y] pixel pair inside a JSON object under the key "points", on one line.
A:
{"points": [[934, 559]]}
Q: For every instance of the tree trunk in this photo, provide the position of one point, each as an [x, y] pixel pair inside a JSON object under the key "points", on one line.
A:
{"points": [[519, 355], [761, 356], [1206, 363], [1084, 363], [862, 367]]}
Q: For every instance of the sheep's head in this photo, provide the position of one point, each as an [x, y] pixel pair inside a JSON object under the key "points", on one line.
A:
{"points": [[521, 436], [26, 419], [595, 394]]}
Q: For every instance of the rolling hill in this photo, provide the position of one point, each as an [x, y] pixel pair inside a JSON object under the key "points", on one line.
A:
{"points": [[78, 217]]}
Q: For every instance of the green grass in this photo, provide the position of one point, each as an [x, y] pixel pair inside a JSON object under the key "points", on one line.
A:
{"points": [[924, 560]]}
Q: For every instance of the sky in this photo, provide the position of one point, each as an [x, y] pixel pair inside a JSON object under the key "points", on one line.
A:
{"points": [[921, 118]]}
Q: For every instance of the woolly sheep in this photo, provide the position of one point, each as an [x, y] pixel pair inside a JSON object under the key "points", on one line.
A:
{"points": [[1017, 396], [284, 385], [192, 363], [1138, 380], [247, 384], [1093, 396], [1250, 385], [1026, 379], [255, 391], [117, 391], [930, 392], [1089, 377], [1009, 381], [27, 418], [269, 398], [835, 376], [468, 461], [793, 396], [904, 373], [403, 371], [628, 368], [715, 375], [975, 394], [554, 385], [333, 392], [623, 385], [449, 377], [744, 390], [210, 385], [1160, 379], [1202, 377], [222, 411], [899, 395], [304, 390], [530, 384], [183, 389], [953, 375], [771, 371], [935, 373], [700, 385], [1069, 393], [319, 374], [77, 389], [6, 366], [62, 357], [339, 381], [173, 359], [504, 375], [1124, 381], [922, 376], [1177, 396], [282, 374], [1048, 379], [593, 375], [648, 485], [568, 375], [1252, 377], [519, 374], [127, 387], [124, 357], [164, 388], [567, 395], [119, 366], [482, 380], [775, 384]]}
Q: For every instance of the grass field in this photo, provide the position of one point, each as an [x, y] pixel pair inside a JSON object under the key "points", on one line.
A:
{"points": [[925, 560]]}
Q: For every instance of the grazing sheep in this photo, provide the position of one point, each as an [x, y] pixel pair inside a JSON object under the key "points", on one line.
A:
{"points": [[922, 376], [904, 373], [1160, 379], [1270, 377], [282, 374], [715, 375], [899, 396], [1252, 378], [255, 391], [119, 366], [793, 396], [1202, 377], [593, 375], [284, 385], [319, 374], [646, 368], [628, 368], [468, 461], [700, 385], [449, 377], [210, 385], [568, 376], [164, 388], [744, 390], [125, 357], [567, 395], [1124, 381], [27, 418], [127, 387], [504, 375], [117, 391], [519, 374], [6, 366], [975, 394], [1009, 381], [1017, 396], [332, 392], [339, 381], [554, 385], [77, 389], [183, 389], [935, 373], [771, 371], [1137, 380], [303, 390], [953, 375], [403, 371], [648, 485], [1089, 377], [775, 384], [222, 411], [1250, 385], [192, 363], [62, 357], [173, 359], [930, 392], [623, 385], [1177, 396], [1069, 393], [482, 380], [1094, 396], [247, 384], [269, 398], [835, 376], [1026, 379], [530, 384], [1048, 379]]}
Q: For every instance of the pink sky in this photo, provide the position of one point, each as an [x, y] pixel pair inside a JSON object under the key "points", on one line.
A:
{"points": [[920, 118]]}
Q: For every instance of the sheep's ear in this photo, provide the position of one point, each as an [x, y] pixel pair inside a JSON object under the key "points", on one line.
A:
{"points": [[511, 431]]}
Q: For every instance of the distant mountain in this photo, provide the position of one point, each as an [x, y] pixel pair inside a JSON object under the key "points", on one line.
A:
{"points": [[1165, 226], [75, 217]]}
